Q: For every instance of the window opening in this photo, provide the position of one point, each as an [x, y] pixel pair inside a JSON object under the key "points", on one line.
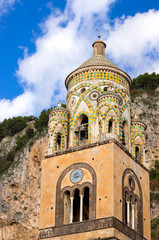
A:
{"points": [[58, 142], [110, 126], [83, 129], [125, 133], [67, 207], [86, 204], [137, 153], [76, 206]]}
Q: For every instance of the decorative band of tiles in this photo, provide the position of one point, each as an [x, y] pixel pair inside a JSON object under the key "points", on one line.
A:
{"points": [[136, 135], [121, 127], [98, 75], [58, 122], [57, 119], [138, 127]]}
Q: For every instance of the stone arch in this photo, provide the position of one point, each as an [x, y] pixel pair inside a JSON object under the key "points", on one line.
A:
{"points": [[59, 196], [63, 140], [75, 124], [137, 134], [141, 151], [56, 124], [130, 191], [112, 116]]}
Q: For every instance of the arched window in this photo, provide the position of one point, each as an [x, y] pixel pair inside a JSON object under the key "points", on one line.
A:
{"points": [[76, 206], [67, 207], [137, 153], [132, 201], [82, 129], [86, 204], [58, 142], [75, 202], [125, 133], [110, 126]]}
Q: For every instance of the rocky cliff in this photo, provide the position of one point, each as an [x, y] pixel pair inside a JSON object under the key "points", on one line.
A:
{"points": [[20, 184]]}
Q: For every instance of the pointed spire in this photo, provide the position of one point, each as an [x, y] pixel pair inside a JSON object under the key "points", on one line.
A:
{"points": [[59, 104]]}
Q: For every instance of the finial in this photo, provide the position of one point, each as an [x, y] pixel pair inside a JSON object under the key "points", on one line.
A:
{"points": [[59, 104], [99, 36]]}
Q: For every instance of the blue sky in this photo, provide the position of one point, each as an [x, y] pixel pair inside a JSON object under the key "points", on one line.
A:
{"points": [[41, 41]]}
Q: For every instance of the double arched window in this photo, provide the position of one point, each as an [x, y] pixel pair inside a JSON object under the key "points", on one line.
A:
{"points": [[75, 201], [132, 201], [76, 205]]}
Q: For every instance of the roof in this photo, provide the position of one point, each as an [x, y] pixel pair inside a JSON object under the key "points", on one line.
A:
{"points": [[98, 60]]}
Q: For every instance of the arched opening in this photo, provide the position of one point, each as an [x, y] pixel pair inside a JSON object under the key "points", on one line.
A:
{"points": [[83, 90], [76, 206], [136, 214], [105, 89], [110, 126], [86, 204], [82, 129], [137, 153], [67, 207], [125, 133], [125, 213], [58, 142]]}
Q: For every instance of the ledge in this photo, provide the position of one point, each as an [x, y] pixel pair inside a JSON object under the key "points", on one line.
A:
{"points": [[90, 225], [91, 145]]}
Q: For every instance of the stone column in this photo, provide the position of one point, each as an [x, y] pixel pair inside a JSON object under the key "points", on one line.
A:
{"points": [[71, 210], [128, 213], [81, 208], [133, 216]]}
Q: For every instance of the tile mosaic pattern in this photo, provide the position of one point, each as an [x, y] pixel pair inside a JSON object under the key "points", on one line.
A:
{"points": [[121, 127], [59, 122], [98, 75], [138, 134], [137, 127], [56, 115]]}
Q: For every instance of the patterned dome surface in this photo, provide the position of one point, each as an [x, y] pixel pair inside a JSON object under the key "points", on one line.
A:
{"points": [[98, 60]]}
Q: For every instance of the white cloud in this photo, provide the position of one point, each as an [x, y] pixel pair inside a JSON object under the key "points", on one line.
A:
{"points": [[134, 42], [66, 43], [6, 5]]}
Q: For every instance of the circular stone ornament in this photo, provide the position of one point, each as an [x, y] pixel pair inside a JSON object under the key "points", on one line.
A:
{"points": [[94, 95], [73, 101], [76, 176]]}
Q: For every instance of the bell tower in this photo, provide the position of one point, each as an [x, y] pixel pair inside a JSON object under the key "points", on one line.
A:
{"points": [[94, 181]]}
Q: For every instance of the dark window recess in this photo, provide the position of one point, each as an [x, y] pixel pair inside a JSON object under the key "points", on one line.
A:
{"points": [[76, 206], [86, 204]]}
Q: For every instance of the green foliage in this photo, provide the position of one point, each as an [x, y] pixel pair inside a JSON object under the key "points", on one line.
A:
{"points": [[30, 132], [9, 127], [154, 196], [147, 82], [142, 115], [155, 228], [21, 141], [154, 177], [42, 121]]}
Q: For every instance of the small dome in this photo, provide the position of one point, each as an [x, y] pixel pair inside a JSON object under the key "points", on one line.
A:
{"points": [[98, 60]]}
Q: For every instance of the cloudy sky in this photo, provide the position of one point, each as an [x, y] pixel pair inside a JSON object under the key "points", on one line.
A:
{"points": [[42, 41]]}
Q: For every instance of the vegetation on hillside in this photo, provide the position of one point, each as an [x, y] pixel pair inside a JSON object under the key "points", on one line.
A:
{"points": [[146, 82], [10, 127], [154, 197]]}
